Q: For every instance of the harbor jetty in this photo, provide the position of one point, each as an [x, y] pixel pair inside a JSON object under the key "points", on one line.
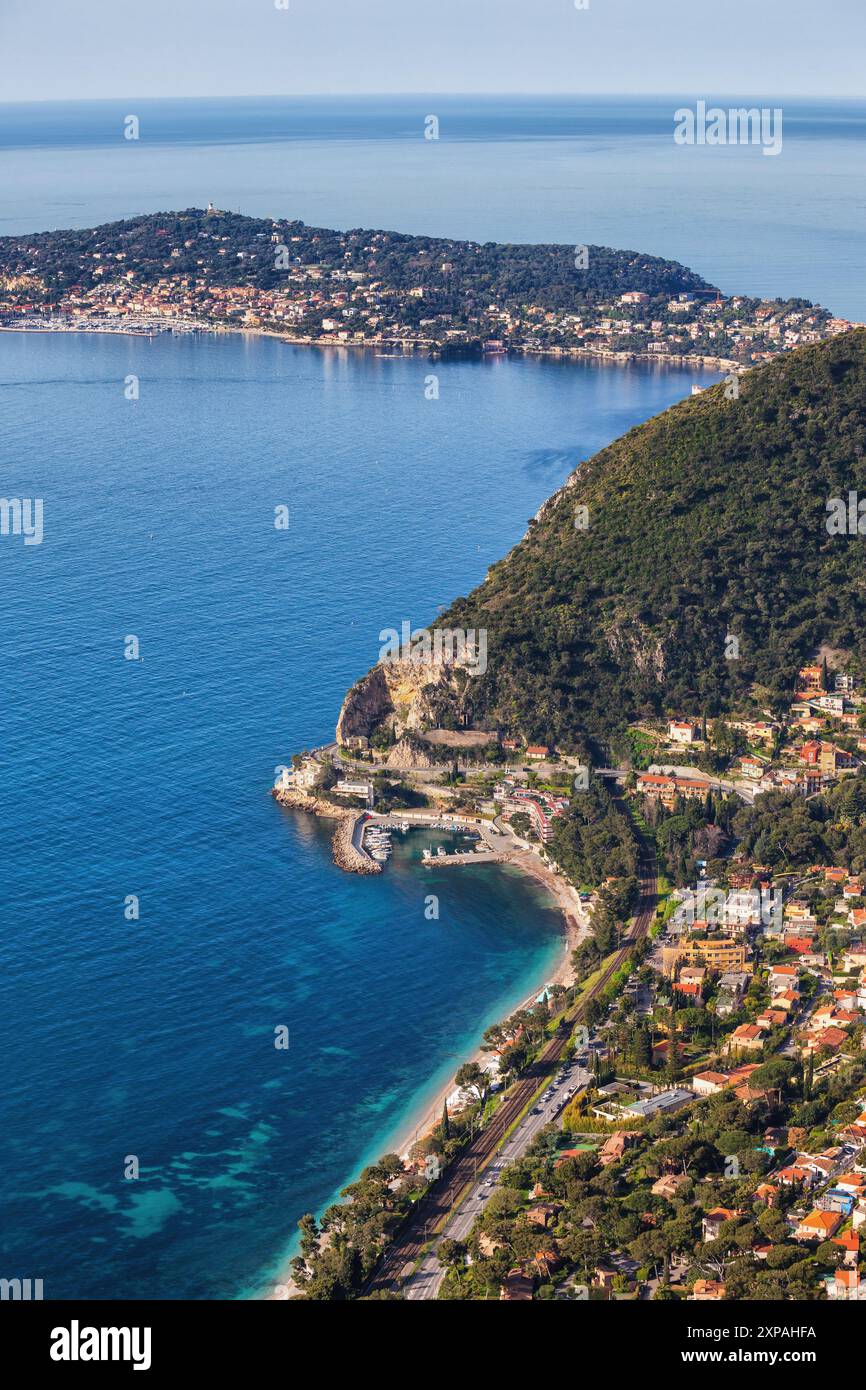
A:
{"points": [[347, 844], [361, 842], [348, 847], [462, 856]]}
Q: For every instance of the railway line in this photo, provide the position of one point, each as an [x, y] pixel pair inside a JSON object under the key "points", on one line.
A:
{"points": [[445, 1195]]}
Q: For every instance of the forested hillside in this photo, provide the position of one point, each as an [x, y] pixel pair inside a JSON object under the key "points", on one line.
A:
{"points": [[689, 565]]}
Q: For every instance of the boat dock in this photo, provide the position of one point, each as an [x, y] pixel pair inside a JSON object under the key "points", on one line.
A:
{"points": [[467, 856]]}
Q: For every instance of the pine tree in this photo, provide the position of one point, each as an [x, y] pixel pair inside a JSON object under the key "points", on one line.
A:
{"points": [[642, 1049], [672, 1061], [809, 1077]]}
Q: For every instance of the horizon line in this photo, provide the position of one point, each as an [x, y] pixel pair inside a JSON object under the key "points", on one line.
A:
{"points": [[427, 92]]}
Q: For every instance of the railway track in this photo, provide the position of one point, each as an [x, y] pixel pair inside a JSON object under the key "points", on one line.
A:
{"points": [[439, 1201]]}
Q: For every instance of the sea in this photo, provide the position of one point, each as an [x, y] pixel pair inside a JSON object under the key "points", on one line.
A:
{"points": [[167, 646]]}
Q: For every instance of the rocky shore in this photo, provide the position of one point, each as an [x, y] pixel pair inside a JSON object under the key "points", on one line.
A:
{"points": [[316, 805], [346, 854]]}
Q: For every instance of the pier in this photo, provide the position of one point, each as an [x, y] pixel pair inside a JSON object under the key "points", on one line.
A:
{"points": [[348, 848], [478, 856]]}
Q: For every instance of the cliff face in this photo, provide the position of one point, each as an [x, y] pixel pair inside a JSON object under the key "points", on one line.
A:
{"points": [[411, 753], [702, 557], [406, 694], [632, 643]]}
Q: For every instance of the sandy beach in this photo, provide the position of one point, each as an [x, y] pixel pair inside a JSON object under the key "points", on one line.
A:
{"points": [[575, 929]]}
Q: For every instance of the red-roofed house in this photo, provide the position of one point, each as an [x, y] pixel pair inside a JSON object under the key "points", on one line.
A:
{"points": [[747, 1038], [832, 1038], [707, 1291], [850, 1245], [845, 1283], [818, 1225], [767, 1193]]}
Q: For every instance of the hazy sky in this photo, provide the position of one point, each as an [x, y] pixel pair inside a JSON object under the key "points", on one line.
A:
{"points": [[127, 48]]}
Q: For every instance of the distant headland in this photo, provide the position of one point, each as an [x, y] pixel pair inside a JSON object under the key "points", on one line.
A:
{"points": [[204, 269]]}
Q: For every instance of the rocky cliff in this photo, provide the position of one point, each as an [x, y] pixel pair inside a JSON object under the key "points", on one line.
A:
{"points": [[406, 694]]}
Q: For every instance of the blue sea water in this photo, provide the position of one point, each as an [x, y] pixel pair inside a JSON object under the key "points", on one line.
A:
{"points": [[601, 170], [154, 1037]]}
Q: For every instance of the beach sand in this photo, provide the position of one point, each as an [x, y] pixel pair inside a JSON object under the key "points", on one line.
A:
{"points": [[575, 928]]}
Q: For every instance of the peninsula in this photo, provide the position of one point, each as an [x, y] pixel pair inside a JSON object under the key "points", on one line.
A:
{"points": [[206, 269]]}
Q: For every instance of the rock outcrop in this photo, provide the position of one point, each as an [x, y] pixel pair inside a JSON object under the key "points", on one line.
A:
{"points": [[345, 852], [630, 641], [411, 753], [407, 695], [302, 801]]}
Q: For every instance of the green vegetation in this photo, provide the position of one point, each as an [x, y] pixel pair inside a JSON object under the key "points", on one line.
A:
{"points": [[233, 250], [787, 832], [706, 522], [563, 1216], [457, 298]]}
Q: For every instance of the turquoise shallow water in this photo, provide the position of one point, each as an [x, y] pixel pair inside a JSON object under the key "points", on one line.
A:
{"points": [[154, 1038]]}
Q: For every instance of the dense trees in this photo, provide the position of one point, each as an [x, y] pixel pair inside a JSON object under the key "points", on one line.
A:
{"points": [[718, 1146], [338, 1253], [706, 523], [457, 277], [594, 840], [787, 832]]}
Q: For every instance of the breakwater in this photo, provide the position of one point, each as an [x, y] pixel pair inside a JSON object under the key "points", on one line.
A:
{"points": [[346, 848], [348, 851]]}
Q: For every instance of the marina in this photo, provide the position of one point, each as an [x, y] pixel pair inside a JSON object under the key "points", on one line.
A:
{"points": [[460, 856], [373, 839]]}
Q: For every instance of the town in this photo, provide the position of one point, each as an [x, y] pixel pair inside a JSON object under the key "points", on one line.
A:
{"points": [[699, 1132]]}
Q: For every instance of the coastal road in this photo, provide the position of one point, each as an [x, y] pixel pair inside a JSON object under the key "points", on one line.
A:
{"points": [[428, 1275], [443, 1198]]}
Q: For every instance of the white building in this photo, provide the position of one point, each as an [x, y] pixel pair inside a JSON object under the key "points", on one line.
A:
{"points": [[348, 787], [681, 732]]}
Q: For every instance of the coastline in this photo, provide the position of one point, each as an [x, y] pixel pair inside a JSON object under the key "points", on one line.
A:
{"points": [[398, 348], [575, 926], [574, 929]]}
